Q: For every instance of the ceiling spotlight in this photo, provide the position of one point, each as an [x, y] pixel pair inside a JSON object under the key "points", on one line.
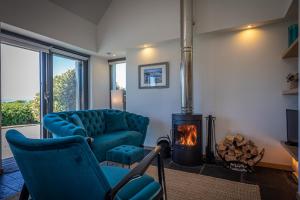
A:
{"points": [[249, 26]]}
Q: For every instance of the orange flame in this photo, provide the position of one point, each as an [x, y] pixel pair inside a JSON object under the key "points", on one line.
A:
{"points": [[188, 135]]}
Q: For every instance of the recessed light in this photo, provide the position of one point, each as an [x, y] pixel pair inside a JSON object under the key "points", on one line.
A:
{"points": [[249, 26], [114, 55], [146, 45]]}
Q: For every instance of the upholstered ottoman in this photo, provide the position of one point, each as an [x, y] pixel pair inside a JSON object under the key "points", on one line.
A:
{"points": [[125, 154]]}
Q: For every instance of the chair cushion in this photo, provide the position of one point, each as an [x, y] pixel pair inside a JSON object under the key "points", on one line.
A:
{"points": [[115, 122], [125, 154], [133, 137], [105, 142], [138, 189], [75, 119]]}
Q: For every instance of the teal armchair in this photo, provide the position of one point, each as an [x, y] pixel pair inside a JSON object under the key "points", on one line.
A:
{"points": [[65, 168]]}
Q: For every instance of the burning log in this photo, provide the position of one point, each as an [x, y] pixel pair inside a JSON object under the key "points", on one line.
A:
{"points": [[235, 150]]}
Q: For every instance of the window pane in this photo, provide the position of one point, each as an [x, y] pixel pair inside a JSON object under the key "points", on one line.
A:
{"points": [[118, 76], [65, 84], [121, 76]]}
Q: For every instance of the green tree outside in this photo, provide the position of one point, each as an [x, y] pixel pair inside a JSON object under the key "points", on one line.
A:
{"points": [[28, 112], [64, 91], [35, 107], [17, 113]]}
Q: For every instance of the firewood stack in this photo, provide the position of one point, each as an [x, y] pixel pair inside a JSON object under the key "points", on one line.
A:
{"points": [[237, 149]]}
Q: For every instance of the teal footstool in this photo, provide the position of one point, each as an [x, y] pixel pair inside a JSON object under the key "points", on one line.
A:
{"points": [[125, 154]]}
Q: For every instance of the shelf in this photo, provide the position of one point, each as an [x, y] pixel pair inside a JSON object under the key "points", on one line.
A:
{"points": [[292, 51], [292, 150], [290, 92]]}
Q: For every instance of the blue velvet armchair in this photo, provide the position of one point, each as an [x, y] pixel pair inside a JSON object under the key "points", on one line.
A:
{"points": [[65, 168]]}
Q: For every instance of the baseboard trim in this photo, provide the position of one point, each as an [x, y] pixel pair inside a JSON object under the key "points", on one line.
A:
{"points": [[260, 164], [275, 166]]}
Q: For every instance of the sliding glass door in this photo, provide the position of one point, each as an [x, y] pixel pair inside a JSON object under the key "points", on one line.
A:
{"points": [[35, 80], [65, 86], [20, 93]]}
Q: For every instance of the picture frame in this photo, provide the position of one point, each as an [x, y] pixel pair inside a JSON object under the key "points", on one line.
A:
{"points": [[154, 75]]}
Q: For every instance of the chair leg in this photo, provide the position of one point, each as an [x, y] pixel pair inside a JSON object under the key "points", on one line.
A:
{"points": [[164, 180], [159, 169], [161, 176], [24, 193]]}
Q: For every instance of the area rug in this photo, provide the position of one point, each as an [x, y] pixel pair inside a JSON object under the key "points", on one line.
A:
{"points": [[190, 186]]}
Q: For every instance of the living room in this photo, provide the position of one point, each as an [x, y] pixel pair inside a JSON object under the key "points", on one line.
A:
{"points": [[226, 71]]}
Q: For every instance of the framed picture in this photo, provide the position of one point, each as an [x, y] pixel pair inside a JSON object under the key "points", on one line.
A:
{"points": [[154, 75]]}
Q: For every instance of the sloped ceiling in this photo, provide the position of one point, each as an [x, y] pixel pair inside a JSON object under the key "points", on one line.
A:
{"points": [[91, 10], [134, 23]]}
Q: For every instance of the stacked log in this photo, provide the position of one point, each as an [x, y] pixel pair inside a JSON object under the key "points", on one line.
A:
{"points": [[236, 148]]}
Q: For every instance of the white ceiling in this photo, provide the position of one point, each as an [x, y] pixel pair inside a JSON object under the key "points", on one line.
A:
{"points": [[91, 10]]}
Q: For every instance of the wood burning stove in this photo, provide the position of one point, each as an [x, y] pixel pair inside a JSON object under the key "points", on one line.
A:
{"points": [[186, 126], [187, 139]]}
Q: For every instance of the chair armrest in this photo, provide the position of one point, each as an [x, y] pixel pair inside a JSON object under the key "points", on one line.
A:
{"points": [[60, 127], [135, 173]]}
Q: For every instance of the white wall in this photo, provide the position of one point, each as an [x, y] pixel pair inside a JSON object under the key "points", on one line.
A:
{"points": [[48, 19], [98, 83], [131, 23], [238, 77], [214, 15], [128, 23], [247, 76], [158, 104]]}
